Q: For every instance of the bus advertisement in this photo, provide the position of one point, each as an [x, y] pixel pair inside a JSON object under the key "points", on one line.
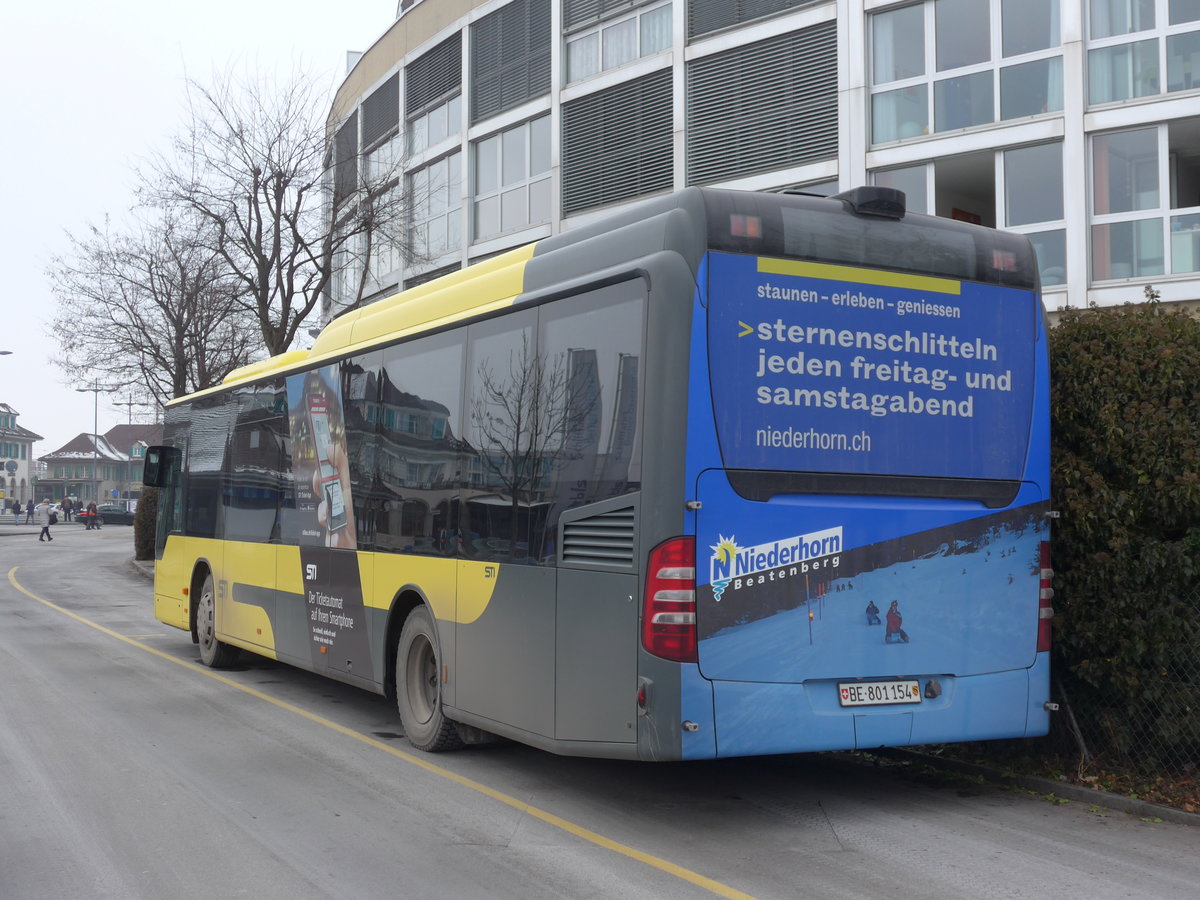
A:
{"points": [[725, 474]]}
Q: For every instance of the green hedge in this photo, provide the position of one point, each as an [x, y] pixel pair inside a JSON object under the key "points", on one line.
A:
{"points": [[1125, 394]]}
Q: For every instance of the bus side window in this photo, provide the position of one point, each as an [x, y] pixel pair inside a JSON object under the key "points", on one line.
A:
{"points": [[514, 407], [595, 340], [416, 421]]}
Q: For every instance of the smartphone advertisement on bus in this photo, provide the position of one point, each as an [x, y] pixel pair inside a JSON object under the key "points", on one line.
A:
{"points": [[324, 525], [324, 508]]}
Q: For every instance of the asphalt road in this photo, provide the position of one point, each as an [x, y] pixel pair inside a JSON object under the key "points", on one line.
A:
{"points": [[129, 771]]}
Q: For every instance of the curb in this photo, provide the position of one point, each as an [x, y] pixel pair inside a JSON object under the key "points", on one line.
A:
{"points": [[1140, 808], [12, 531], [144, 567]]}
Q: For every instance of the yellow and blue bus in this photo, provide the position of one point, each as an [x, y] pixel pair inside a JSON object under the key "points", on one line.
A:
{"points": [[724, 474]]}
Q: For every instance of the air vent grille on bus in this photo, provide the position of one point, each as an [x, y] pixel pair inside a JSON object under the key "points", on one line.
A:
{"points": [[605, 539]]}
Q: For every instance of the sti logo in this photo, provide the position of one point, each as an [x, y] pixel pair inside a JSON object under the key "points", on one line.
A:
{"points": [[310, 572]]}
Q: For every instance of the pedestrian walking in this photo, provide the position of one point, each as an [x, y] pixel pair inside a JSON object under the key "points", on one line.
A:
{"points": [[29, 512], [16, 511], [91, 516], [67, 507], [43, 515]]}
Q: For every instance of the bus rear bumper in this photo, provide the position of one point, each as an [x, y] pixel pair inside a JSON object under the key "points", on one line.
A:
{"points": [[755, 718]]}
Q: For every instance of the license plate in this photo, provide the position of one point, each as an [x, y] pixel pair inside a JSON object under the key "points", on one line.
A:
{"points": [[876, 693]]}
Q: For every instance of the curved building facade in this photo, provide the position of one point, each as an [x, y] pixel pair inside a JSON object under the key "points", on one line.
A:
{"points": [[1076, 122]]}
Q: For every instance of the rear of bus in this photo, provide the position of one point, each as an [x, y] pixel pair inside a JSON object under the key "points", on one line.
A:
{"points": [[868, 475]]}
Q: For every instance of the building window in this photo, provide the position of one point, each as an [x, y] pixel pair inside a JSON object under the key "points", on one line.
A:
{"points": [[941, 66], [439, 123], [617, 42], [910, 179], [385, 242], [963, 33], [1183, 61], [1117, 17], [433, 95], [963, 101], [511, 185], [965, 188], [435, 193], [1027, 26], [1033, 199], [1123, 72], [1140, 48], [1145, 201]]}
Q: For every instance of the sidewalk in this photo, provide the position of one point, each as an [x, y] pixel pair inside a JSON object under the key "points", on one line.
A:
{"points": [[8, 528], [1045, 786]]}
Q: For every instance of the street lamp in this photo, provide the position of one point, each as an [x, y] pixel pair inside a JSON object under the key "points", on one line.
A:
{"points": [[129, 405], [95, 390]]}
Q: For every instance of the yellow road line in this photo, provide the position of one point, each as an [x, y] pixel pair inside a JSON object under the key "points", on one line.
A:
{"points": [[716, 887]]}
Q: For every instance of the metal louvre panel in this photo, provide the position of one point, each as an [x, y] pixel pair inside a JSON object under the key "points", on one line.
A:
{"points": [[583, 12], [510, 57], [617, 143], [705, 16], [768, 106], [602, 540], [426, 277], [381, 111], [345, 148], [433, 75]]}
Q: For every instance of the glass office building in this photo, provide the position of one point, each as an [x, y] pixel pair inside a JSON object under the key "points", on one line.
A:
{"points": [[1076, 122]]}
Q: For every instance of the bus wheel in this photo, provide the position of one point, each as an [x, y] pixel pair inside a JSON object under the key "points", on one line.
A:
{"points": [[419, 687], [213, 653]]}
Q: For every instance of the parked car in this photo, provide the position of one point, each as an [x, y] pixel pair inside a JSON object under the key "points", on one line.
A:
{"points": [[111, 514]]}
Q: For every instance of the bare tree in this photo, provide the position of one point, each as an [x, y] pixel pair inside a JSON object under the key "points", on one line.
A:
{"points": [[254, 159], [538, 415], [151, 305]]}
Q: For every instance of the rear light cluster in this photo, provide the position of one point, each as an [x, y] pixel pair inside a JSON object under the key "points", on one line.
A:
{"points": [[669, 602], [1045, 595]]}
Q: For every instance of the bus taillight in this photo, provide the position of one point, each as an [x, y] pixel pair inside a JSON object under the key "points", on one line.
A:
{"points": [[1045, 595], [669, 603]]}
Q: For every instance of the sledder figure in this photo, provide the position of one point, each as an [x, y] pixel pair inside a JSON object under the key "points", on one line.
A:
{"points": [[872, 613], [894, 631]]}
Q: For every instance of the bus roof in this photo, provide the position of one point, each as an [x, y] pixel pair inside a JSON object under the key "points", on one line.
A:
{"points": [[687, 222]]}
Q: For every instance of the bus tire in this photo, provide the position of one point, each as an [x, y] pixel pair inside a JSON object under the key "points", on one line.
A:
{"points": [[419, 686], [213, 653]]}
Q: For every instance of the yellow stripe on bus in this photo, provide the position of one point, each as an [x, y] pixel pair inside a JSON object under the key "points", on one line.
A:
{"points": [[772, 266]]}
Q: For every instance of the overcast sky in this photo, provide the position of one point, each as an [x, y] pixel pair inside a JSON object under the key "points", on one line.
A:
{"points": [[88, 88]]}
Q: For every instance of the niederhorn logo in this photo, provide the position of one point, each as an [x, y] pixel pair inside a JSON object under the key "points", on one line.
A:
{"points": [[310, 572], [731, 563]]}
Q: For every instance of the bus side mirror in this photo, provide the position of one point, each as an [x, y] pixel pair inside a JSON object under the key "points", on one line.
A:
{"points": [[158, 464]]}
